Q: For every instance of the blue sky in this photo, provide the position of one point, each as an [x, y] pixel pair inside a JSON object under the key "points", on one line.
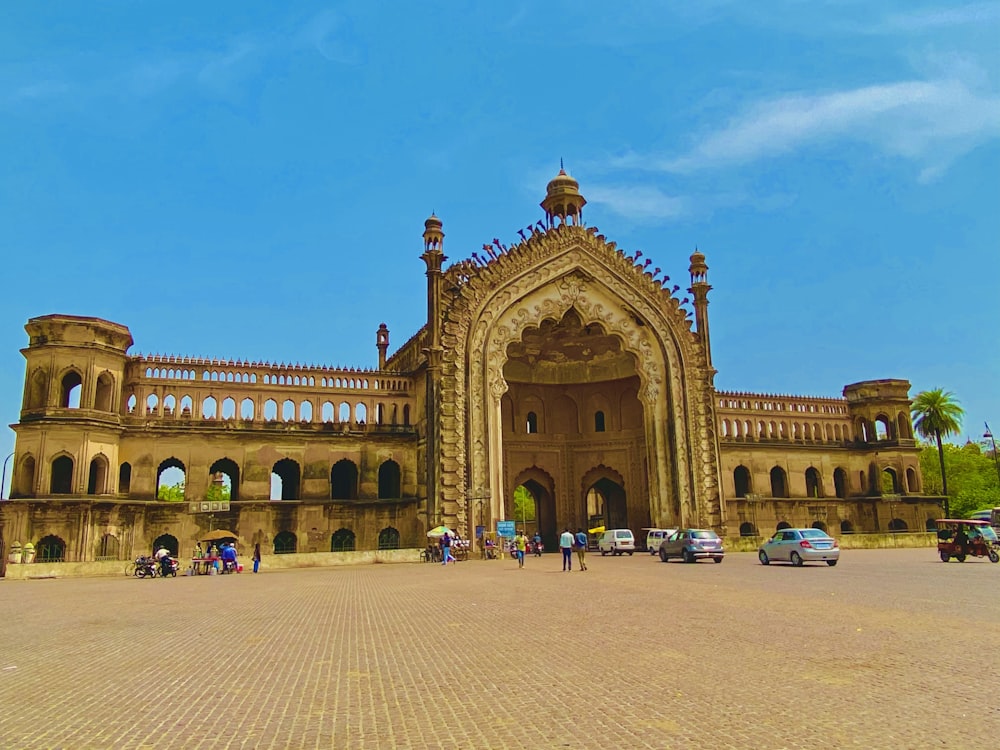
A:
{"points": [[250, 180]]}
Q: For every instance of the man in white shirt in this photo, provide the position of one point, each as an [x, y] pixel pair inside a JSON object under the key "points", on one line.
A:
{"points": [[566, 546]]}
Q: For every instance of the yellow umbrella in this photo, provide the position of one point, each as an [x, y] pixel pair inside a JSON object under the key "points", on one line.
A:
{"points": [[596, 530]]}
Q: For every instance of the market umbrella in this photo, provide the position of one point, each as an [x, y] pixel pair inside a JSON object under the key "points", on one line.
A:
{"points": [[439, 531], [219, 535]]}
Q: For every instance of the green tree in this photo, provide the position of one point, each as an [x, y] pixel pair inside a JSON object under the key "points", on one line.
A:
{"points": [[173, 493], [973, 483], [936, 414], [524, 504], [217, 492]]}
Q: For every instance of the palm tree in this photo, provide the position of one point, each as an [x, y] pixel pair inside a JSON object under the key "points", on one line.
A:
{"points": [[937, 413]]}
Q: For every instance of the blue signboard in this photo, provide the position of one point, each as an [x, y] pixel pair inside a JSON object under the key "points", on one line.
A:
{"points": [[505, 528]]}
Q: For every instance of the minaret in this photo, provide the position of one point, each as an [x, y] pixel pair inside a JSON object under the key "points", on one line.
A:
{"points": [[434, 258], [699, 290], [382, 343], [563, 200]]}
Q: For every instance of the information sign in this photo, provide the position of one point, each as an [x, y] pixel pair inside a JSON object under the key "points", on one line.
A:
{"points": [[505, 528]]}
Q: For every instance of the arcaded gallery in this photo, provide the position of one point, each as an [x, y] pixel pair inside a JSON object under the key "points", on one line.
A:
{"points": [[561, 365]]}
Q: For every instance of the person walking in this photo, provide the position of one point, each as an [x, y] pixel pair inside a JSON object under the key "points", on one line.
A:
{"points": [[446, 549], [256, 557], [520, 545], [580, 542], [566, 545]]}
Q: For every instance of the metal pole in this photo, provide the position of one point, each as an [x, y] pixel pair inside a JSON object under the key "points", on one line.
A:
{"points": [[988, 435], [3, 477]]}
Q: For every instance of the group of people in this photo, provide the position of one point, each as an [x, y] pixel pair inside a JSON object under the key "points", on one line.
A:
{"points": [[568, 542], [226, 555]]}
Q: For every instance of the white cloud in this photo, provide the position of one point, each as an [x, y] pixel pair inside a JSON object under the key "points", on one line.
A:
{"points": [[935, 18], [640, 202], [925, 121]]}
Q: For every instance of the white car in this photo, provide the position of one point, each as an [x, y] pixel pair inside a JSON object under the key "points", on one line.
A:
{"points": [[798, 546], [654, 537], [616, 542]]}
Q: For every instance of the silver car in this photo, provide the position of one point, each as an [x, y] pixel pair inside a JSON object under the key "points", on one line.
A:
{"points": [[692, 544], [798, 546]]}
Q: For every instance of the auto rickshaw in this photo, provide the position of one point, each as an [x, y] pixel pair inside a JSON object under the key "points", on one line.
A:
{"points": [[960, 538]]}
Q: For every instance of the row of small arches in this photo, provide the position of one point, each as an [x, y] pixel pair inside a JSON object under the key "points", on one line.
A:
{"points": [[889, 482], [286, 478], [224, 376], [846, 527], [289, 412], [730, 403]]}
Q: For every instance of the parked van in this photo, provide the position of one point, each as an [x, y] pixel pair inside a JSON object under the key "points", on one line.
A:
{"points": [[654, 537], [616, 542]]}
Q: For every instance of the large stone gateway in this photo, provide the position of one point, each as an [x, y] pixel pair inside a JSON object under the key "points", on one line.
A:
{"points": [[560, 368]]}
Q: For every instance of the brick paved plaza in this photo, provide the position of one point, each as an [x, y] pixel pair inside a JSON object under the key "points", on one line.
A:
{"points": [[889, 649]]}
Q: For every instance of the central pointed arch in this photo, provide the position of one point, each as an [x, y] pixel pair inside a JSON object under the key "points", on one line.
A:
{"points": [[676, 396]]}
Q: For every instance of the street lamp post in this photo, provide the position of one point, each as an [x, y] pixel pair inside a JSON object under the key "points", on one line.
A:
{"points": [[3, 477], [988, 435]]}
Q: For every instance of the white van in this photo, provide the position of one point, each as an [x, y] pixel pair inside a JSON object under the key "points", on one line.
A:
{"points": [[654, 537], [617, 542]]}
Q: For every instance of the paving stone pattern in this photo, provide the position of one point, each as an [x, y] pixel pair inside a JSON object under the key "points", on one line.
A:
{"points": [[889, 649]]}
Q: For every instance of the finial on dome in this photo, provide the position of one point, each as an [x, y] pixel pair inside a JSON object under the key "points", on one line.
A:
{"points": [[563, 200]]}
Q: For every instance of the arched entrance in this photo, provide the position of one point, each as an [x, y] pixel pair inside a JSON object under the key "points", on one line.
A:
{"points": [[532, 506], [606, 505]]}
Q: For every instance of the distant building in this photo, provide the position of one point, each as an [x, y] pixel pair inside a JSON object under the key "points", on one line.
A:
{"points": [[560, 364]]}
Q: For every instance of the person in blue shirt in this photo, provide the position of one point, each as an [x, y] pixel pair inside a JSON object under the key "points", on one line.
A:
{"points": [[228, 558], [580, 543]]}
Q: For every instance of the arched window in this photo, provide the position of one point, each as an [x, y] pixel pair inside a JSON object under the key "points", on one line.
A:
{"points": [[229, 408], [599, 421], [103, 395], [306, 411], [25, 478], [72, 389], [285, 477], [124, 478], [342, 541], [388, 538], [97, 477], [782, 525], [38, 390], [209, 408], [741, 480], [388, 480], [285, 543], [344, 480], [62, 476], [846, 527], [50, 549], [271, 410], [327, 412], [246, 408], [747, 529], [819, 525], [911, 481], [360, 413], [288, 410], [169, 543], [897, 524], [840, 483], [229, 472], [779, 485], [170, 480], [890, 482], [406, 415], [814, 485], [108, 547], [532, 423]]}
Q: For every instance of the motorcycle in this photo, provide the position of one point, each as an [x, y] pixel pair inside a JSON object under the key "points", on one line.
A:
{"points": [[145, 567], [168, 567], [537, 548]]}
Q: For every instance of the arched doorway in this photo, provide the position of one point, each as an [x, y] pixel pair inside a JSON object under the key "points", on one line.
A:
{"points": [[532, 507], [606, 505]]}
